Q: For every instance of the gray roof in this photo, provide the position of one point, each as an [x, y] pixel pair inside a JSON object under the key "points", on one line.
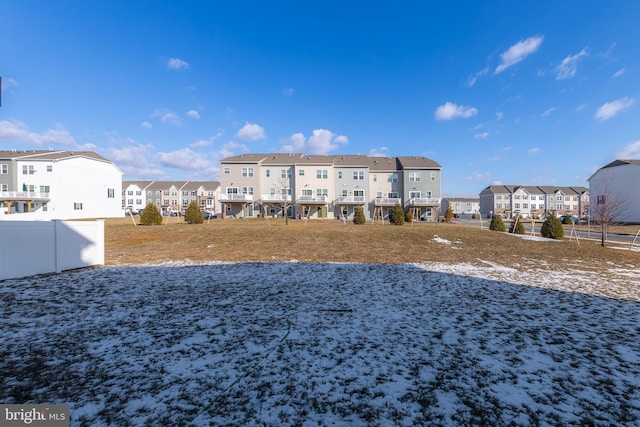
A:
{"points": [[345, 160], [383, 164], [49, 155], [417, 162], [244, 158]]}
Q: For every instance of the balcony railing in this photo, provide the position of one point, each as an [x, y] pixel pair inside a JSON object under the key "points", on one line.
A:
{"points": [[424, 201], [387, 201], [24, 196], [236, 198], [276, 198], [350, 200], [312, 199]]}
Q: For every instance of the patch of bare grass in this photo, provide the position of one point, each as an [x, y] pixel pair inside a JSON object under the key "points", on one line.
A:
{"points": [[334, 241]]}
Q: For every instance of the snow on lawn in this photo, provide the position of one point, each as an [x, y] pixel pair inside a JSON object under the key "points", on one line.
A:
{"points": [[325, 344]]}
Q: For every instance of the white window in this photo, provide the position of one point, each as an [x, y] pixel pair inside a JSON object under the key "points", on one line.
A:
{"points": [[414, 177], [393, 177], [4, 169], [499, 205], [247, 172], [428, 194], [415, 194], [499, 197], [111, 193], [517, 205], [268, 173], [525, 206], [232, 190], [138, 201], [301, 172], [322, 174], [247, 190], [517, 197], [130, 193], [322, 192], [433, 176], [344, 193], [339, 174], [307, 192], [392, 195], [375, 177], [77, 206], [358, 175], [4, 187], [525, 197], [49, 168], [285, 173], [227, 171]]}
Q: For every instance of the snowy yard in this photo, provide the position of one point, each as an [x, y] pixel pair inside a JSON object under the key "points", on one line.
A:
{"points": [[327, 344]]}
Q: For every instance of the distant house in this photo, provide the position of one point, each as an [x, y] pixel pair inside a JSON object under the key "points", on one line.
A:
{"points": [[527, 200], [171, 196], [619, 180], [322, 186], [43, 184], [461, 206]]}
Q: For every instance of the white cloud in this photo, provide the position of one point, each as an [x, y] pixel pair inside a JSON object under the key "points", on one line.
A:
{"points": [[146, 125], [450, 111], [379, 152], [473, 79], [482, 135], [518, 52], [250, 132], [8, 82], [322, 141], [130, 154], [581, 107], [618, 73], [193, 114], [476, 176], [630, 151], [201, 143], [184, 159], [499, 115], [569, 65], [288, 91], [549, 112], [15, 131], [610, 109], [168, 117], [497, 182], [533, 150], [177, 64]]}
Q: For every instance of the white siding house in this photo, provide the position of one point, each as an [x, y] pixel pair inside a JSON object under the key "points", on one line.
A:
{"points": [[43, 184], [619, 182]]}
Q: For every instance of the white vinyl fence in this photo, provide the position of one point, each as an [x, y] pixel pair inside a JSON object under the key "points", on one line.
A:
{"points": [[37, 247]]}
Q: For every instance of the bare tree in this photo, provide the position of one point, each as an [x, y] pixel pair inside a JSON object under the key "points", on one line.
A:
{"points": [[608, 207]]}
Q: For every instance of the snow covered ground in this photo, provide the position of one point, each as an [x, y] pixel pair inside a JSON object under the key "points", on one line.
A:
{"points": [[327, 344]]}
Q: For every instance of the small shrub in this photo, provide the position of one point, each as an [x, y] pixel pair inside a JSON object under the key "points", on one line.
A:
{"points": [[566, 219], [474, 216], [397, 215], [408, 216], [552, 228], [497, 224], [517, 226], [358, 216], [193, 215], [150, 215], [448, 214]]}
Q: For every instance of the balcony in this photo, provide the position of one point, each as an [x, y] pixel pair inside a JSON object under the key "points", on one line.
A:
{"points": [[236, 198], [276, 198], [387, 201], [24, 196], [350, 200], [312, 200], [424, 202]]}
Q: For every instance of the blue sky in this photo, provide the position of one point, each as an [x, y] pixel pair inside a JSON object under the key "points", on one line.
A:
{"points": [[512, 92]]}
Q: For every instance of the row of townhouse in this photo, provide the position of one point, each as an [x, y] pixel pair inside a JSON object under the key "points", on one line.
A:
{"points": [[322, 186], [528, 200], [170, 196], [46, 184]]}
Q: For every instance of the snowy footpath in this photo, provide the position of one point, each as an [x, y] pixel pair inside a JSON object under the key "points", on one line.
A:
{"points": [[326, 344]]}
